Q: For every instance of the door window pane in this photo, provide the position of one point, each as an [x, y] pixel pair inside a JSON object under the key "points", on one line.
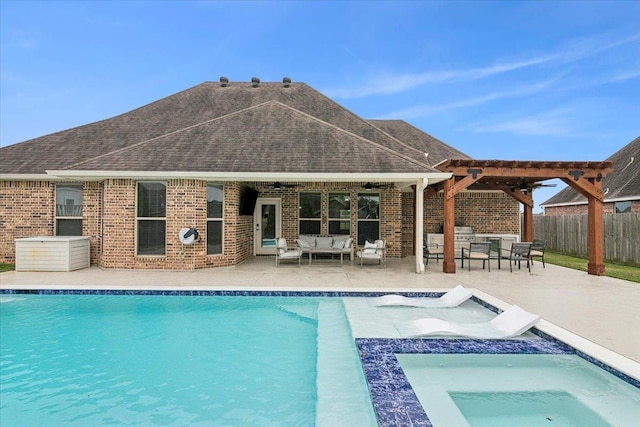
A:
{"points": [[268, 225]]}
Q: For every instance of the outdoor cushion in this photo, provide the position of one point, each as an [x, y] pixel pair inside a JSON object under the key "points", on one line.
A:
{"points": [[453, 298], [324, 242], [338, 244], [307, 242], [510, 323]]}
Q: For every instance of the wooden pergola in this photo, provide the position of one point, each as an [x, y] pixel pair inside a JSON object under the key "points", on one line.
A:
{"points": [[518, 179]]}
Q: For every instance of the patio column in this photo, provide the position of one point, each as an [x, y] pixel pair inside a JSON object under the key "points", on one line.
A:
{"points": [[449, 263], [419, 221]]}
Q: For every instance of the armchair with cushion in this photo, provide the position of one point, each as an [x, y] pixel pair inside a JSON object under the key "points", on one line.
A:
{"points": [[537, 250], [372, 251], [477, 250], [435, 249], [283, 252], [519, 252]]}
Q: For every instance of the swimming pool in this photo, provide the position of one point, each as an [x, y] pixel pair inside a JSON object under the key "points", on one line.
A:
{"points": [[227, 358]]}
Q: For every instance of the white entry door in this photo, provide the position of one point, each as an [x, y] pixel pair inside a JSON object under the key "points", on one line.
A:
{"points": [[267, 219]]}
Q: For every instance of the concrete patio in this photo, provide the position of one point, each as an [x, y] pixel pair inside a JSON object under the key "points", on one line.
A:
{"points": [[598, 310]]}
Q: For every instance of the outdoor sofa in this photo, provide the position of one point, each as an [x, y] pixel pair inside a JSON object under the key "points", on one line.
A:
{"points": [[332, 245]]}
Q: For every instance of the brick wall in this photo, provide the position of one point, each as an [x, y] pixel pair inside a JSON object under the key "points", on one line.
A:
{"points": [[186, 207], [109, 218], [26, 210]]}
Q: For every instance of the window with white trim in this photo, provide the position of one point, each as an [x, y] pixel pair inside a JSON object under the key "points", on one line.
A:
{"points": [[368, 217], [215, 218], [69, 209], [310, 209], [151, 218], [339, 213]]}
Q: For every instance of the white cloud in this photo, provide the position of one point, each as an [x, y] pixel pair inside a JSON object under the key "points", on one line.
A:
{"points": [[550, 123], [386, 84], [424, 110]]}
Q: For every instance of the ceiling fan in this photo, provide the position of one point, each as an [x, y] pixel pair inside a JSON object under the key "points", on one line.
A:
{"points": [[524, 186], [279, 186], [369, 186]]}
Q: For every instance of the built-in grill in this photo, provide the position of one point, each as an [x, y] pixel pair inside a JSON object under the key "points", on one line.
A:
{"points": [[463, 234]]}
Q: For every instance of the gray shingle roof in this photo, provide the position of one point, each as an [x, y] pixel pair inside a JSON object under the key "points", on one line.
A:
{"points": [[622, 183], [421, 141], [237, 128]]}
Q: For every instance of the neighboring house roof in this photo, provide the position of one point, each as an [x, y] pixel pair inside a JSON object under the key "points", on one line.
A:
{"points": [[623, 183], [237, 127]]}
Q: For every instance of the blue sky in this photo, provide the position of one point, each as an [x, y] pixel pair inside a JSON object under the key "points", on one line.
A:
{"points": [[497, 80]]}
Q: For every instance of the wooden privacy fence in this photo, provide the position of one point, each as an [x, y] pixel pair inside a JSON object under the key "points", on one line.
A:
{"points": [[567, 234]]}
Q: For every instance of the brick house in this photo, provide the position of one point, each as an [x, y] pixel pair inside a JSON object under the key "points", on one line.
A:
{"points": [[242, 163], [621, 187]]}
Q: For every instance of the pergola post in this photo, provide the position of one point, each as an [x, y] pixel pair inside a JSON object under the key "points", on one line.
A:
{"points": [[528, 223], [419, 225], [449, 263], [596, 236]]}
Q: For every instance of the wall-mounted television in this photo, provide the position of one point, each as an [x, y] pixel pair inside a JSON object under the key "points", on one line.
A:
{"points": [[248, 199]]}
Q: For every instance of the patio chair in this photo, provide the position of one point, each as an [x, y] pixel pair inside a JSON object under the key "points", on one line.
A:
{"points": [[537, 250], [477, 250], [285, 253], [433, 250], [519, 252], [453, 298], [510, 323], [373, 251]]}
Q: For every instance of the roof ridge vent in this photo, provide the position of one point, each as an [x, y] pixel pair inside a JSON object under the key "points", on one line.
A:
{"points": [[286, 82], [224, 82], [255, 82]]}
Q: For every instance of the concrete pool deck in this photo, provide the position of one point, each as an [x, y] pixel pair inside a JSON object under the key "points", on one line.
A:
{"points": [[600, 311]]}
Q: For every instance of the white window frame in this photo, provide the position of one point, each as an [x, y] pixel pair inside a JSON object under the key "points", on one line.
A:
{"points": [[65, 216], [339, 219], [217, 220], [153, 218], [300, 218]]}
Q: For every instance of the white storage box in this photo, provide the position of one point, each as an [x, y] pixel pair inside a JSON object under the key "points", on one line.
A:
{"points": [[56, 253]]}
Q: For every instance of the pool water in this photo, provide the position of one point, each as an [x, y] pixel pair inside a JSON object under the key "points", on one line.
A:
{"points": [[178, 360], [524, 390]]}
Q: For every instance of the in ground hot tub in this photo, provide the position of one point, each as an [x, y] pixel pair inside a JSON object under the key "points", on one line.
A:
{"points": [[52, 253]]}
